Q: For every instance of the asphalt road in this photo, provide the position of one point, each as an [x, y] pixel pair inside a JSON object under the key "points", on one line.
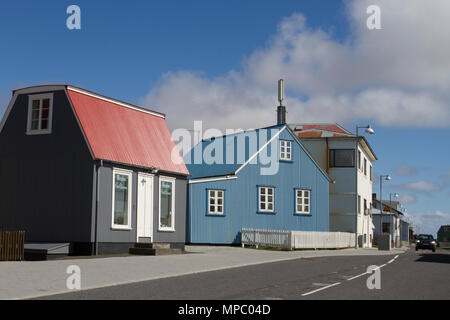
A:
{"points": [[412, 275]]}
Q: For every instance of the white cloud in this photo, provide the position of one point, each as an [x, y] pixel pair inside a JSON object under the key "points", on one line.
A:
{"points": [[394, 76], [405, 170], [420, 186], [428, 223], [407, 199]]}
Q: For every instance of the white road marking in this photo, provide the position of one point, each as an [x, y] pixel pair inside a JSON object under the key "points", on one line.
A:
{"points": [[320, 289], [360, 275], [393, 259], [383, 265]]}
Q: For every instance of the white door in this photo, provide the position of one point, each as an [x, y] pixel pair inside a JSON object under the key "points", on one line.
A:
{"points": [[145, 206]]}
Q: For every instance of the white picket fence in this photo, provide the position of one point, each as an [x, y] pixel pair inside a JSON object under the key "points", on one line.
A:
{"points": [[297, 239], [266, 238]]}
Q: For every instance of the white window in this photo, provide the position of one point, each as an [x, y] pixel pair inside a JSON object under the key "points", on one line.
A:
{"points": [[40, 109], [302, 201], [266, 200], [121, 199], [166, 204], [285, 150], [215, 201]]}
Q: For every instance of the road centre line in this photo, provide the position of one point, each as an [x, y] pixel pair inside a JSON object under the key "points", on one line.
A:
{"points": [[320, 289]]}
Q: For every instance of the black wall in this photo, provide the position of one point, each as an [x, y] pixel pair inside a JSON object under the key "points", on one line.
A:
{"points": [[46, 181]]}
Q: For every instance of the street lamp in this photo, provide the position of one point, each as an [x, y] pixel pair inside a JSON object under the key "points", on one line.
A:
{"points": [[390, 197], [368, 128], [387, 178]]}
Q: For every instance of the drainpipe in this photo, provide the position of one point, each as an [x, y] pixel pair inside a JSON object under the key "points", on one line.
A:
{"points": [[97, 195]]}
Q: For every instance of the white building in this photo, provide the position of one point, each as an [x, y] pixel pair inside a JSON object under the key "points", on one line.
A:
{"points": [[348, 159]]}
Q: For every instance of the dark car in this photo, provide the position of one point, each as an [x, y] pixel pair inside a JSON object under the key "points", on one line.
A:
{"points": [[425, 241]]}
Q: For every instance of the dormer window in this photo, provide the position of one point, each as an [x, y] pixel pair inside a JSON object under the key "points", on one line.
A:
{"points": [[40, 109]]}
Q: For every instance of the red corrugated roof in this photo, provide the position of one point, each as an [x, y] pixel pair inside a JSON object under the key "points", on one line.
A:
{"points": [[327, 127], [125, 134]]}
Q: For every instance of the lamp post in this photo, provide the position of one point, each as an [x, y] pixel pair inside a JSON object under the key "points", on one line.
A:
{"points": [[387, 178]]}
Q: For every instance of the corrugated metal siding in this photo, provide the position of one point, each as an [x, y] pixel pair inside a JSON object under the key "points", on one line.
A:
{"points": [[241, 201], [124, 135]]}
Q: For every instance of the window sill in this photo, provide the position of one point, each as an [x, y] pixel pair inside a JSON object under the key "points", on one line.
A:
{"points": [[119, 228], [215, 215], [303, 214], [35, 133], [166, 230], [266, 212], [286, 161]]}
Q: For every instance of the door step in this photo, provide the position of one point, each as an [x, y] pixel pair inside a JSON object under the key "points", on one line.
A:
{"points": [[153, 249], [152, 245]]}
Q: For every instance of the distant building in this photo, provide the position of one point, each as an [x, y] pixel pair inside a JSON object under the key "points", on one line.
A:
{"points": [[443, 236], [348, 159], [387, 219]]}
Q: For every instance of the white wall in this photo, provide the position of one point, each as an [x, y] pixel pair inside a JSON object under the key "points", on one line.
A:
{"points": [[350, 182], [365, 191]]}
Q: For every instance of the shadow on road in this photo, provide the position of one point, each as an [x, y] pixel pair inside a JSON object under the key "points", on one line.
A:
{"points": [[434, 257]]}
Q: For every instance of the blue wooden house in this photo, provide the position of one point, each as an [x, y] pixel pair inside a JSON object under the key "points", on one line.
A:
{"points": [[263, 178]]}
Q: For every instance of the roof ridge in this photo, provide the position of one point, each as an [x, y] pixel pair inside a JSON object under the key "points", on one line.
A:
{"points": [[115, 101]]}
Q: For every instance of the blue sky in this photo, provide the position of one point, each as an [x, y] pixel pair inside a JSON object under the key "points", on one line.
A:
{"points": [[219, 61]]}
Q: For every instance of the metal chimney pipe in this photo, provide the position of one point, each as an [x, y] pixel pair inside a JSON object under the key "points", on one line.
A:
{"points": [[281, 110]]}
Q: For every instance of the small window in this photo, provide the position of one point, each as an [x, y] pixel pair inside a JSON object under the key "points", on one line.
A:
{"points": [[266, 200], [365, 206], [386, 227], [121, 199], [303, 201], [371, 176], [40, 109], [215, 201], [285, 150], [359, 204], [166, 204], [342, 158], [365, 166], [359, 160]]}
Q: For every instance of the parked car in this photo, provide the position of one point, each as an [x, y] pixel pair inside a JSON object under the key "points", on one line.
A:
{"points": [[425, 241]]}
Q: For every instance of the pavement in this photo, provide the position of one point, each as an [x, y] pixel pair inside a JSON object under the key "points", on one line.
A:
{"points": [[27, 279], [419, 275]]}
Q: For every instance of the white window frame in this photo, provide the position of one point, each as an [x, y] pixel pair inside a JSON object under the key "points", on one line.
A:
{"points": [[303, 197], [286, 155], [172, 228], [40, 97], [266, 202], [216, 205], [130, 193]]}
